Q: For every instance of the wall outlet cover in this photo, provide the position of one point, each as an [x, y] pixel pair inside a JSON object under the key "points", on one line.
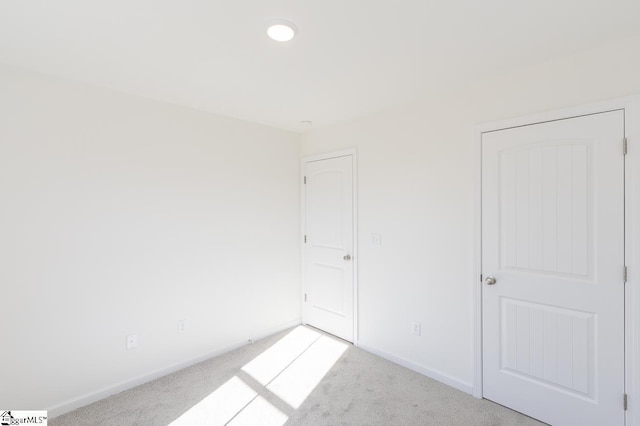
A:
{"points": [[132, 341], [182, 326], [416, 328]]}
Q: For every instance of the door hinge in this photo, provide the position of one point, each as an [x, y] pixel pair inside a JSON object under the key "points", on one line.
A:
{"points": [[625, 402], [624, 146], [625, 274], [305, 297], [305, 180], [305, 239], [480, 277]]}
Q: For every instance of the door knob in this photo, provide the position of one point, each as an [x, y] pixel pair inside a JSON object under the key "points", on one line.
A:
{"points": [[490, 280], [347, 257]]}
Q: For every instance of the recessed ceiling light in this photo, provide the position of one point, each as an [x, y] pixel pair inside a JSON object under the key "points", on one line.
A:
{"points": [[306, 123], [281, 30]]}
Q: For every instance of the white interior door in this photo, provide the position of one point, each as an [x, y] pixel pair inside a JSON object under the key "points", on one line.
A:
{"points": [[328, 257], [553, 269]]}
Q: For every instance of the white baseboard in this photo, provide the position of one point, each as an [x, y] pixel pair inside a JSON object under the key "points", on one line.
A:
{"points": [[89, 398], [433, 374]]}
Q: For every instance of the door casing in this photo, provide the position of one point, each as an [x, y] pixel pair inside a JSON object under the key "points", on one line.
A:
{"points": [[325, 156], [631, 108]]}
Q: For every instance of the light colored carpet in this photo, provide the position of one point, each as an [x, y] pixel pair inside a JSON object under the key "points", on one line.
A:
{"points": [[360, 389]]}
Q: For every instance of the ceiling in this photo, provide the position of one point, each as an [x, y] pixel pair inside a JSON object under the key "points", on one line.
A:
{"points": [[349, 59]]}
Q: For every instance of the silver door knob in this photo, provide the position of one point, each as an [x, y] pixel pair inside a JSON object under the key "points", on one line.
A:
{"points": [[347, 257], [490, 280]]}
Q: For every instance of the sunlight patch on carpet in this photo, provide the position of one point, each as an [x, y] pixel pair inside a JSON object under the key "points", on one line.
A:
{"points": [[298, 380], [219, 406], [259, 412], [290, 369], [266, 366]]}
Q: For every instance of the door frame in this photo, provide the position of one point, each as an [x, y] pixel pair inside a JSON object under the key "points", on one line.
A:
{"points": [[631, 107], [354, 171]]}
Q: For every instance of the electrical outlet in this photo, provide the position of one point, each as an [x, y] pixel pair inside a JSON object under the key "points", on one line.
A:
{"points": [[416, 328], [376, 240], [132, 341], [182, 326]]}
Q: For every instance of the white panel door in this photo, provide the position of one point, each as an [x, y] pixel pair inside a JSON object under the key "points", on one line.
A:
{"points": [[328, 269], [553, 240]]}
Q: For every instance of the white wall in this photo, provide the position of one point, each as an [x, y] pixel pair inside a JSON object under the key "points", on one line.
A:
{"points": [[122, 215], [415, 168]]}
